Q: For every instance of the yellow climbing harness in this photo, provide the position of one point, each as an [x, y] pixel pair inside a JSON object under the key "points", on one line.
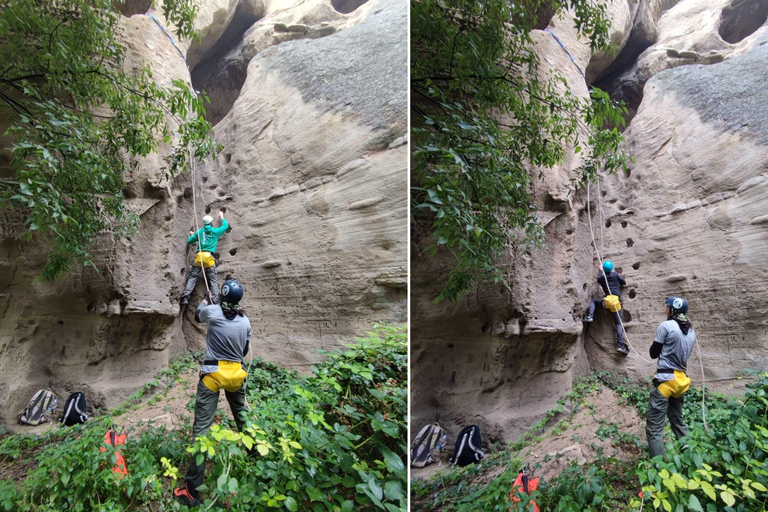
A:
{"points": [[204, 259], [229, 377], [612, 303], [675, 387]]}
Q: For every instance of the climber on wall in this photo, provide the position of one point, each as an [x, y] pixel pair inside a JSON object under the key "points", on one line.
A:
{"points": [[229, 332], [672, 345], [208, 237], [612, 289]]}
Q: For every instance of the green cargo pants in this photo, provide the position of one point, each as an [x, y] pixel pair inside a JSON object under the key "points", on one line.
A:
{"points": [[659, 408], [205, 408]]}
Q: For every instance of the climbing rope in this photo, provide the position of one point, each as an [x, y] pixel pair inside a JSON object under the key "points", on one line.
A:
{"points": [[567, 52], [600, 257]]}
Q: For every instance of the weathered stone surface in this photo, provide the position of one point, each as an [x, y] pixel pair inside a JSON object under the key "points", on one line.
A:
{"points": [[308, 264], [686, 219]]}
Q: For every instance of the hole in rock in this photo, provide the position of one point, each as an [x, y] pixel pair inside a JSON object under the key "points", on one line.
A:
{"points": [[91, 306], [131, 7], [221, 70], [632, 294], [61, 322], [347, 6], [182, 271], [741, 19], [585, 286], [129, 194], [207, 209], [636, 266], [608, 223], [630, 242], [625, 316], [232, 252], [228, 158], [451, 345], [205, 179], [603, 193], [623, 223]]}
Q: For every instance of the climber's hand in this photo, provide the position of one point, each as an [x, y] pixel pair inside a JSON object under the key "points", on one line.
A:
{"points": [[208, 298], [191, 232], [221, 214]]}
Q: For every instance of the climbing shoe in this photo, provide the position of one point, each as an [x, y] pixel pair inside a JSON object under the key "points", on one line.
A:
{"points": [[184, 301], [187, 496], [588, 319], [622, 349]]}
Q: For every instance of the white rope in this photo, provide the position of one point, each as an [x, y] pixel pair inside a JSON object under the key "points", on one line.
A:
{"points": [[600, 257], [626, 338]]}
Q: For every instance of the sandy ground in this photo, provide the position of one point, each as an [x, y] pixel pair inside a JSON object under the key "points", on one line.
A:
{"points": [[573, 438]]}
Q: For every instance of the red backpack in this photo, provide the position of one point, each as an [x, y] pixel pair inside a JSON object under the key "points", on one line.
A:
{"points": [[111, 438], [526, 485]]}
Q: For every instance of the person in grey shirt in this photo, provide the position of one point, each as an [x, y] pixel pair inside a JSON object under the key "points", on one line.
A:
{"points": [[229, 333], [672, 346]]}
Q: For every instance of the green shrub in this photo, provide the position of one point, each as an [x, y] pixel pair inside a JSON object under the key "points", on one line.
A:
{"points": [[331, 441]]}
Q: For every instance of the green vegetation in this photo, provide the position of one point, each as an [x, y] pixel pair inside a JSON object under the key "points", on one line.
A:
{"points": [[725, 469], [332, 441], [486, 124], [79, 117]]}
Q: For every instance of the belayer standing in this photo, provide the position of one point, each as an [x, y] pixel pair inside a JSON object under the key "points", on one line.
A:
{"points": [[672, 345], [208, 238], [613, 287], [229, 331]]}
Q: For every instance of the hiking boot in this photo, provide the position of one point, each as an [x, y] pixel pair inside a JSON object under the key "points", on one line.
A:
{"points": [[622, 349], [588, 319], [187, 496], [184, 301]]}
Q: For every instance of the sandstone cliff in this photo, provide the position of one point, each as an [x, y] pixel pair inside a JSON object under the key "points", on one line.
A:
{"points": [[309, 100], [688, 218]]}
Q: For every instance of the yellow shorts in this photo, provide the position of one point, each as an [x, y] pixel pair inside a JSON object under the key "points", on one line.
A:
{"points": [[675, 387], [204, 259], [230, 377]]}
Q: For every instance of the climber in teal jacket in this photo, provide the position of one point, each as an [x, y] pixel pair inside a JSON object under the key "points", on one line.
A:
{"points": [[208, 238]]}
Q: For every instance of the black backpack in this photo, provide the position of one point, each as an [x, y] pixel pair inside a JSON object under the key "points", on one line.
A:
{"points": [[40, 408], [468, 447], [74, 410]]}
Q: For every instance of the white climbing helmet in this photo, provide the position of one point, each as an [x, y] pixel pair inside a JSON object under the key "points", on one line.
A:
{"points": [[207, 220]]}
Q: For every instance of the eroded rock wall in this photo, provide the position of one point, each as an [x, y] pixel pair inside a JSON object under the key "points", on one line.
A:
{"points": [[313, 179], [688, 218]]}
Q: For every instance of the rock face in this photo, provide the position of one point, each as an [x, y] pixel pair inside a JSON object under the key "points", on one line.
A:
{"points": [[313, 180], [687, 219]]}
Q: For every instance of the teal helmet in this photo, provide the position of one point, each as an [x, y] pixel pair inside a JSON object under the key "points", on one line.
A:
{"points": [[608, 266]]}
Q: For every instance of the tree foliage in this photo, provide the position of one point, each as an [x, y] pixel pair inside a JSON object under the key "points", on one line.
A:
{"points": [[485, 123], [78, 119]]}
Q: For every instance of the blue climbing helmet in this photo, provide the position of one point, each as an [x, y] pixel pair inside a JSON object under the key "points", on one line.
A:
{"points": [[231, 292], [678, 305], [608, 266]]}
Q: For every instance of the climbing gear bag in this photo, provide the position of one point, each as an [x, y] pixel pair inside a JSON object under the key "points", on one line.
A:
{"points": [[40, 408], [468, 447], [111, 438], [74, 410], [524, 484], [612, 303], [676, 387], [229, 377], [204, 259], [427, 445]]}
